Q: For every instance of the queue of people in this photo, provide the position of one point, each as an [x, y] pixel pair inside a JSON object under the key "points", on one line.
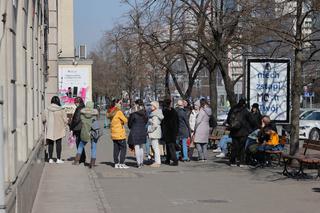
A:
{"points": [[180, 130]]}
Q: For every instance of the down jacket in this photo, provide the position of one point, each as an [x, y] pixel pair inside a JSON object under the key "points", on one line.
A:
{"points": [[137, 125], [118, 120], [154, 124]]}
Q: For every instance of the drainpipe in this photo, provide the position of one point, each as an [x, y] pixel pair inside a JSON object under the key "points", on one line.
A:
{"points": [[2, 197]]}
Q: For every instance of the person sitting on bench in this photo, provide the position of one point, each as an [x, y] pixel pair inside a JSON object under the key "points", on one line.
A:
{"points": [[223, 146]]}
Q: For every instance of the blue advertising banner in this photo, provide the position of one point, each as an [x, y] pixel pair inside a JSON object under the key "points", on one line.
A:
{"points": [[269, 86]]}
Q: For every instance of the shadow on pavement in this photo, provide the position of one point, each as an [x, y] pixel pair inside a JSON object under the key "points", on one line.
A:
{"points": [[316, 190]]}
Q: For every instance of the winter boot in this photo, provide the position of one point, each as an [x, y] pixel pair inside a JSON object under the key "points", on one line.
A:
{"points": [[92, 163], [76, 160]]}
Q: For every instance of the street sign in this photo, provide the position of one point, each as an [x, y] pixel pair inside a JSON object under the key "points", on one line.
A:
{"points": [[308, 94]]}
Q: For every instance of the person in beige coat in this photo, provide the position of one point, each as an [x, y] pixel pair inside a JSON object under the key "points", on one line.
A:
{"points": [[55, 120]]}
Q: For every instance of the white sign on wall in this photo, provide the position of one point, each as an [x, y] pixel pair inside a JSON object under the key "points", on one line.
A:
{"points": [[269, 86], [74, 82]]}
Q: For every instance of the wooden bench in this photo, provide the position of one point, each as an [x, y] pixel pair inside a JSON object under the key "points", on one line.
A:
{"points": [[278, 153], [304, 159], [216, 135]]}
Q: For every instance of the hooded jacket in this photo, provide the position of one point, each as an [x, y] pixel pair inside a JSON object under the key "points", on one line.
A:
{"points": [[241, 121], [118, 120], [202, 127], [137, 125], [55, 120], [88, 115], [154, 124]]}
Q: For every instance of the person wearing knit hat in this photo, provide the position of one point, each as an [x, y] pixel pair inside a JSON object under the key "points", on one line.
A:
{"points": [[154, 131]]}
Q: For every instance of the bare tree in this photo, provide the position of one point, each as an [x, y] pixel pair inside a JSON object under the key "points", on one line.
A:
{"points": [[160, 26]]}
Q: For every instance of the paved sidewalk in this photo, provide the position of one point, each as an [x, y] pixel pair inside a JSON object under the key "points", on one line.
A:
{"points": [[66, 188]]}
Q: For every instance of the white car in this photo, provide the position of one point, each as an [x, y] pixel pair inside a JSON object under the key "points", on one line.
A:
{"points": [[221, 118], [309, 126]]}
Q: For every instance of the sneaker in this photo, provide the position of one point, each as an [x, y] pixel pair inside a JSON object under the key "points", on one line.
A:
{"points": [[218, 150], [51, 161], [155, 165], [59, 161], [124, 166], [243, 166], [221, 155], [117, 166], [233, 165]]}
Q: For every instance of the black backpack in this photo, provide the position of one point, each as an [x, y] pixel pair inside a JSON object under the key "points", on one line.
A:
{"points": [[212, 121]]}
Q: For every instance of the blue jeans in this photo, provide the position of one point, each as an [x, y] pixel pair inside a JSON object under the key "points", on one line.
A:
{"points": [[93, 148], [184, 149], [268, 147], [223, 143], [147, 147], [249, 142]]}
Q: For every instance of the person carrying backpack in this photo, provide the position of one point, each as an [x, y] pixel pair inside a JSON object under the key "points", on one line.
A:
{"points": [[89, 116], [240, 123], [76, 124]]}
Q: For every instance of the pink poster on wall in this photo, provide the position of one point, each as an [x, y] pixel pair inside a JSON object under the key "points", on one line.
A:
{"points": [[74, 82]]}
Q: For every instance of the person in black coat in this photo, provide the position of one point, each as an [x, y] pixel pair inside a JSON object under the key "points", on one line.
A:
{"points": [[138, 133], [240, 122], [170, 127], [256, 114], [184, 129], [76, 125]]}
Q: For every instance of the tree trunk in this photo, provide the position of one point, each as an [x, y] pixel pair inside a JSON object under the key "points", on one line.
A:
{"points": [[297, 82], [294, 133], [190, 87], [213, 89], [167, 85], [229, 86]]}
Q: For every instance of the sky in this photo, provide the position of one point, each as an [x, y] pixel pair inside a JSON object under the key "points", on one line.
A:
{"points": [[94, 17]]}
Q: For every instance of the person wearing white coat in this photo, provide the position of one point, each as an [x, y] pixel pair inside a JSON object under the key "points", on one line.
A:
{"points": [[154, 131], [55, 119]]}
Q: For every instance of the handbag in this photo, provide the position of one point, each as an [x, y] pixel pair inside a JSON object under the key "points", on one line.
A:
{"points": [[71, 140]]}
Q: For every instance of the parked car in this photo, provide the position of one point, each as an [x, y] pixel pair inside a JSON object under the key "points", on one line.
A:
{"points": [[304, 112], [309, 126], [222, 116]]}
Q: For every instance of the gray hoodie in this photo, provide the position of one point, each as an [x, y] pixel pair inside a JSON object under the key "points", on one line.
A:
{"points": [[154, 124]]}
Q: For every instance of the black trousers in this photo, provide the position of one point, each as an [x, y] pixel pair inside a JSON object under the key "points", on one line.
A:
{"points": [[83, 154], [58, 148], [119, 147], [171, 152], [237, 150]]}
